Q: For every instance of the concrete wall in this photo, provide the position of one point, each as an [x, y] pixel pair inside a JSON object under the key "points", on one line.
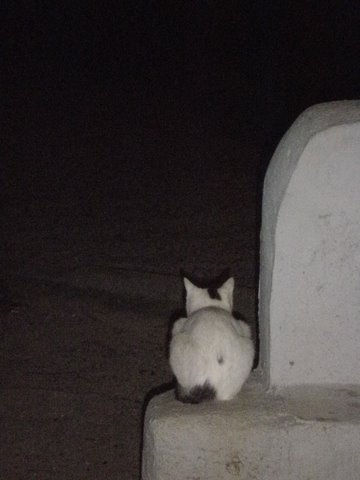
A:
{"points": [[309, 295]]}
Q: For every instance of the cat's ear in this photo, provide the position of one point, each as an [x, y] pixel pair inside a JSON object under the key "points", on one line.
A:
{"points": [[227, 288], [188, 285]]}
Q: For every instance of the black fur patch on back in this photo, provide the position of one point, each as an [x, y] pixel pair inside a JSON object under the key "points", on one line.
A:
{"points": [[213, 293], [197, 394]]}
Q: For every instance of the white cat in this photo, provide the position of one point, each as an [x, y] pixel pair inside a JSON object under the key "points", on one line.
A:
{"points": [[211, 353]]}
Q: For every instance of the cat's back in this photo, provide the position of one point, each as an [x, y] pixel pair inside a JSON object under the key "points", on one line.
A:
{"points": [[210, 314], [215, 322], [210, 321]]}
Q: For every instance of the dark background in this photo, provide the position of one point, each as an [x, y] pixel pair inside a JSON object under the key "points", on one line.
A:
{"points": [[110, 69]]}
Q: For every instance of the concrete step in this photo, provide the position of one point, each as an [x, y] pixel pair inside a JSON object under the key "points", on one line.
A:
{"points": [[300, 433]]}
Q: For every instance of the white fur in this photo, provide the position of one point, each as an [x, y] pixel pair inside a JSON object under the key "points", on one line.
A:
{"points": [[210, 333]]}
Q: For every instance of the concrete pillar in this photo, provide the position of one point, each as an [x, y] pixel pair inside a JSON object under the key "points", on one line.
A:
{"points": [[307, 425], [309, 295]]}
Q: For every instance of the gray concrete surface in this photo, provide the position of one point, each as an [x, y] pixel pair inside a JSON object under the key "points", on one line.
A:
{"points": [[309, 273], [304, 433]]}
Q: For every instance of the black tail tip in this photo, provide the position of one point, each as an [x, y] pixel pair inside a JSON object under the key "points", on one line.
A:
{"points": [[198, 394]]}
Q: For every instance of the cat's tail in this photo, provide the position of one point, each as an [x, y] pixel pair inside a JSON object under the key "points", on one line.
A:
{"points": [[197, 394]]}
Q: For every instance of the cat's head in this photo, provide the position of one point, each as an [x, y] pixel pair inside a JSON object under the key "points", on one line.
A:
{"points": [[221, 297]]}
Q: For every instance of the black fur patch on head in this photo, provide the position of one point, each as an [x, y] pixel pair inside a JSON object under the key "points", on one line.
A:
{"points": [[220, 360], [197, 394], [213, 293]]}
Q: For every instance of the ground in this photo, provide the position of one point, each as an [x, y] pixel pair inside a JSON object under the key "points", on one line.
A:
{"points": [[75, 374]]}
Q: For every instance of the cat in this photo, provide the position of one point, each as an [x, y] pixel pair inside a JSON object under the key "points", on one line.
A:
{"points": [[211, 353]]}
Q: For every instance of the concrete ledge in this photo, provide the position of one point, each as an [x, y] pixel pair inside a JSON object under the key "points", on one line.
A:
{"points": [[297, 433]]}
